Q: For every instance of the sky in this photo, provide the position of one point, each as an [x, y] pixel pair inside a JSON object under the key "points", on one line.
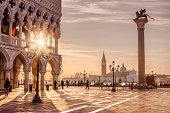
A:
{"points": [[89, 27]]}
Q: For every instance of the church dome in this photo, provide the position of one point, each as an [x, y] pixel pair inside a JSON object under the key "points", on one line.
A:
{"points": [[123, 68]]}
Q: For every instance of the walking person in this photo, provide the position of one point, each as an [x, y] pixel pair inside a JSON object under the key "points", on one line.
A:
{"points": [[78, 83], [7, 86], [87, 84], [67, 83], [55, 84], [62, 84]]}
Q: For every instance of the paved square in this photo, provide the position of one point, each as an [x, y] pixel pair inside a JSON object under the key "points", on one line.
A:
{"points": [[80, 100]]}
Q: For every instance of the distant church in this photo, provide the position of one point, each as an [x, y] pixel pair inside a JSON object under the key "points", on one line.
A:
{"points": [[122, 75]]}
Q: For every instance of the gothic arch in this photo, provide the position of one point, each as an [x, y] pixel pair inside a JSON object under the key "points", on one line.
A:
{"points": [[52, 61], [34, 62], [5, 54], [23, 59]]}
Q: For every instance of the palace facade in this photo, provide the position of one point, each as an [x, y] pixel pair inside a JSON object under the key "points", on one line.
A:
{"points": [[23, 23]]}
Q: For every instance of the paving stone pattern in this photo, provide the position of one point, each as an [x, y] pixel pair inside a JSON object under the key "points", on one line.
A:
{"points": [[94, 100]]}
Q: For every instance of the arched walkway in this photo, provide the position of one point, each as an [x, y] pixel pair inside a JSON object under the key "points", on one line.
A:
{"points": [[2, 69], [19, 62], [55, 70]]}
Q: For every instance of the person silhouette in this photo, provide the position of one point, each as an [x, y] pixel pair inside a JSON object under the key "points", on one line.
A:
{"points": [[87, 84], [55, 84], [6, 86], [62, 84]]}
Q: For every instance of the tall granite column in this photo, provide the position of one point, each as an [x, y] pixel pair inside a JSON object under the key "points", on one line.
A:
{"points": [[141, 49]]}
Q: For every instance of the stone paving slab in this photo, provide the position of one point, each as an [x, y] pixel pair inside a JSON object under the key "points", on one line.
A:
{"points": [[80, 100]]}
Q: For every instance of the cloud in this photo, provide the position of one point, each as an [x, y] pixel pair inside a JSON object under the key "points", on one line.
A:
{"points": [[74, 50], [114, 11]]}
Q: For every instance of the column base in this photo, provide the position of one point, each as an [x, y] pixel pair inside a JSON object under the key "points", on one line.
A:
{"points": [[113, 89], [37, 100], [25, 89]]}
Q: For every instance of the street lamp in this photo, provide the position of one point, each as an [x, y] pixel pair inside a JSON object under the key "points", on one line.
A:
{"points": [[31, 55], [84, 75], [112, 69]]}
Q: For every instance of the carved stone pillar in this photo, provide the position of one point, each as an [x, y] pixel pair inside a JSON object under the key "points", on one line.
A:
{"points": [[20, 33], [26, 84], [15, 80], [45, 32], [42, 80], [56, 44], [10, 29], [29, 35], [1, 17], [141, 49]]}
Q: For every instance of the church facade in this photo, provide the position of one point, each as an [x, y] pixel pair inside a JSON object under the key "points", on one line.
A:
{"points": [[22, 24], [122, 75]]}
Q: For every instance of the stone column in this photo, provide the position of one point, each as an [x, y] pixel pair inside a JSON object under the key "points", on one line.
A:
{"points": [[26, 84], [42, 80], [20, 33], [29, 25], [55, 77], [10, 29], [7, 74], [29, 35], [56, 44], [141, 49], [1, 17], [45, 26]]}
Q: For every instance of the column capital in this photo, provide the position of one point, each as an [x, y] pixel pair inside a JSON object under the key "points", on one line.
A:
{"points": [[1, 17], [55, 73], [141, 22], [11, 20], [29, 26], [27, 70], [7, 70], [21, 23], [42, 72]]}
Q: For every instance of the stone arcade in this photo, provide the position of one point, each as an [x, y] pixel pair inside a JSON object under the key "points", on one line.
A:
{"points": [[21, 22]]}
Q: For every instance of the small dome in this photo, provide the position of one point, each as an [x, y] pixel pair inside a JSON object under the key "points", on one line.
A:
{"points": [[123, 68]]}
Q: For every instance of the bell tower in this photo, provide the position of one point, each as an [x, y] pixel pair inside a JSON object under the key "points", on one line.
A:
{"points": [[103, 66]]}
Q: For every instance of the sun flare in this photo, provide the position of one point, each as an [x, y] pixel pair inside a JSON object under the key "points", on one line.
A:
{"points": [[40, 42]]}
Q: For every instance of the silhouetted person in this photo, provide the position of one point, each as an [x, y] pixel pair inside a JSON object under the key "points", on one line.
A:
{"points": [[7, 86], [87, 84], [67, 83], [75, 83], [81, 82], [62, 84], [78, 83], [55, 84]]}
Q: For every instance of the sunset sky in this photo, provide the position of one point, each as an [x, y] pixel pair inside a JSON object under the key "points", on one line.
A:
{"points": [[89, 27]]}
